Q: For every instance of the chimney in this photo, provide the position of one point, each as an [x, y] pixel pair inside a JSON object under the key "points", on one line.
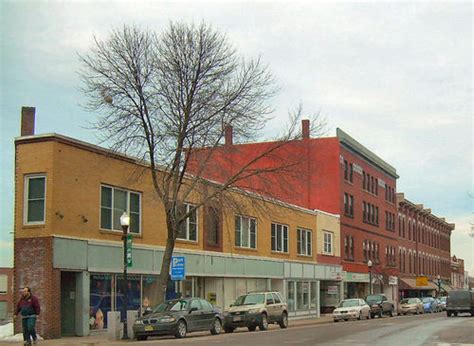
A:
{"points": [[228, 135], [305, 128], [27, 121]]}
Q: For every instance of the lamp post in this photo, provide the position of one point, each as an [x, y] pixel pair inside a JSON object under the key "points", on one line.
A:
{"points": [[369, 264], [439, 285], [125, 222]]}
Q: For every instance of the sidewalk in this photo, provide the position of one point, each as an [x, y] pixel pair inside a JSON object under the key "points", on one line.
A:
{"points": [[101, 338]]}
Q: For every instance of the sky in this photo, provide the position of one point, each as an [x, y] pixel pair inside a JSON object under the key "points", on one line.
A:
{"points": [[397, 76]]}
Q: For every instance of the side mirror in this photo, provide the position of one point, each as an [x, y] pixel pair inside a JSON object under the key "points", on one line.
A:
{"points": [[193, 309]]}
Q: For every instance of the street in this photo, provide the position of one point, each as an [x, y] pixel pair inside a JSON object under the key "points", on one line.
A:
{"points": [[428, 329]]}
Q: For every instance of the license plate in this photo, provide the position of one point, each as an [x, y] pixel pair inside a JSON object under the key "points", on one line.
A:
{"points": [[148, 328], [237, 318]]}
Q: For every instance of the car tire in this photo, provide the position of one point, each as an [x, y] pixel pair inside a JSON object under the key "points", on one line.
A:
{"points": [[448, 313], [360, 315], [181, 329], [455, 314], [217, 327], [264, 322], [380, 314], [141, 337], [283, 321], [390, 313], [335, 321], [252, 328], [372, 315]]}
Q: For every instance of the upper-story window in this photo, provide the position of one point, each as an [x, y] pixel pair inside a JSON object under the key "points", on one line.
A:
{"points": [[348, 204], [188, 229], [328, 243], [245, 232], [35, 199], [346, 170], [113, 202], [349, 247], [351, 172], [304, 241], [279, 237]]}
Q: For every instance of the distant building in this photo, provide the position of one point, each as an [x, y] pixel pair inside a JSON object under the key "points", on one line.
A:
{"points": [[424, 249], [457, 272], [6, 293]]}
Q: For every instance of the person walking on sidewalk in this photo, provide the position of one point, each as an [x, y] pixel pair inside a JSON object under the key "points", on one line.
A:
{"points": [[29, 308]]}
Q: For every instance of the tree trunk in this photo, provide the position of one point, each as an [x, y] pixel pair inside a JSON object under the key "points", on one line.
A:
{"points": [[164, 276]]}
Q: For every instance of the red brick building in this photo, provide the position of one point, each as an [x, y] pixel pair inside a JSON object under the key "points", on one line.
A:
{"points": [[6, 293], [334, 174], [423, 249], [457, 273]]}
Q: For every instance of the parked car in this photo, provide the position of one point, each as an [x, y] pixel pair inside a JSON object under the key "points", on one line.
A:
{"points": [[256, 309], [430, 305], [411, 306], [460, 301], [442, 303], [351, 309], [178, 317], [380, 305]]}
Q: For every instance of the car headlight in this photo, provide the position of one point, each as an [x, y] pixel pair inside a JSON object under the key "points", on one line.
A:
{"points": [[253, 311], [138, 322], [167, 319]]}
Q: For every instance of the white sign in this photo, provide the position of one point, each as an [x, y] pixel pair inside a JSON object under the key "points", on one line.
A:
{"points": [[393, 280], [333, 290]]}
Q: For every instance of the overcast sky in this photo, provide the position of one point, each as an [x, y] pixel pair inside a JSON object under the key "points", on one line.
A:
{"points": [[395, 76]]}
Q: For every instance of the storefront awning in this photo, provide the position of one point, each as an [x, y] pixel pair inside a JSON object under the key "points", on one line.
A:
{"points": [[410, 284]]}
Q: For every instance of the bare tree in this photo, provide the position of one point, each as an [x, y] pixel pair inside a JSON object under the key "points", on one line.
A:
{"points": [[161, 97]]}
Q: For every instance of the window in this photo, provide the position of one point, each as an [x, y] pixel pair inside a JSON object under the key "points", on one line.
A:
{"points": [[35, 199], [351, 173], [196, 304], [304, 241], [113, 202], [348, 204], [245, 232], [3, 284], [346, 170], [328, 243], [279, 238], [212, 226], [349, 247], [276, 298], [188, 228]]}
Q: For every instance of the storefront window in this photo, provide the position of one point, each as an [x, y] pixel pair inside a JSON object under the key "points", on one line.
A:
{"points": [[150, 288], [314, 295], [302, 295], [100, 300], [133, 294], [291, 296]]}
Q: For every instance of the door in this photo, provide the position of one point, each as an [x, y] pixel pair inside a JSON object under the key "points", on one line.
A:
{"points": [[195, 318], [271, 307], [208, 315], [68, 303], [278, 305]]}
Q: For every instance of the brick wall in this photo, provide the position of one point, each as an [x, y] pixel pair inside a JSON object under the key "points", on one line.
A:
{"points": [[34, 268]]}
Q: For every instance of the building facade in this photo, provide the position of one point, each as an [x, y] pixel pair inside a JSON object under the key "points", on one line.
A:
{"points": [[337, 175], [457, 273], [424, 249], [69, 196], [6, 293]]}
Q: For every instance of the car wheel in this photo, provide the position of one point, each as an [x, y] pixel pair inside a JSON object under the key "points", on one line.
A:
{"points": [[181, 329], [284, 321], [390, 313], [217, 327], [141, 337], [360, 316], [380, 314], [335, 320], [448, 313], [372, 315], [228, 329], [455, 314], [264, 323], [252, 328]]}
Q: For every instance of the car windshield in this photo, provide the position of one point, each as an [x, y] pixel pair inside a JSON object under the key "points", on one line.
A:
{"points": [[250, 299], [172, 305], [374, 298], [408, 301], [348, 303], [427, 300]]}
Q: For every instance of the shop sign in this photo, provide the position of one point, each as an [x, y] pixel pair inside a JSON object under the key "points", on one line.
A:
{"points": [[393, 280], [178, 271], [333, 290], [129, 250], [421, 281]]}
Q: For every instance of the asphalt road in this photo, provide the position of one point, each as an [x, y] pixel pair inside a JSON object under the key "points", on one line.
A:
{"points": [[428, 329]]}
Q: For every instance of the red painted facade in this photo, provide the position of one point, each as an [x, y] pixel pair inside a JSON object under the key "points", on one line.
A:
{"points": [[314, 178]]}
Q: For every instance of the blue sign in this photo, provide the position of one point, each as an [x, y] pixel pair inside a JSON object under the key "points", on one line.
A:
{"points": [[178, 268]]}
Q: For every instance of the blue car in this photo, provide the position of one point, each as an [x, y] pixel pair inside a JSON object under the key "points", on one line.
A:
{"points": [[430, 305]]}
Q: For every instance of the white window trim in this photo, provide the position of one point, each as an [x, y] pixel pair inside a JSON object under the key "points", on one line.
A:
{"points": [[305, 246], [331, 234], [25, 199], [256, 232], [128, 208], [188, 205], [282, 238]]}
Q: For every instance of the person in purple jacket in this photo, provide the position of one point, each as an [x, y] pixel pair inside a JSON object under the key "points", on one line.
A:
{"points": [[29, 308]]}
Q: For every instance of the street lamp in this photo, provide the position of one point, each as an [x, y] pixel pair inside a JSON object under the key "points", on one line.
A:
{"points": [[369, 264], [439, 285], [125, 222]]}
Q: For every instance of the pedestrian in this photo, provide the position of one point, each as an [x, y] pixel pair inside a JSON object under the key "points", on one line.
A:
{"points": [[29, 308]]}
